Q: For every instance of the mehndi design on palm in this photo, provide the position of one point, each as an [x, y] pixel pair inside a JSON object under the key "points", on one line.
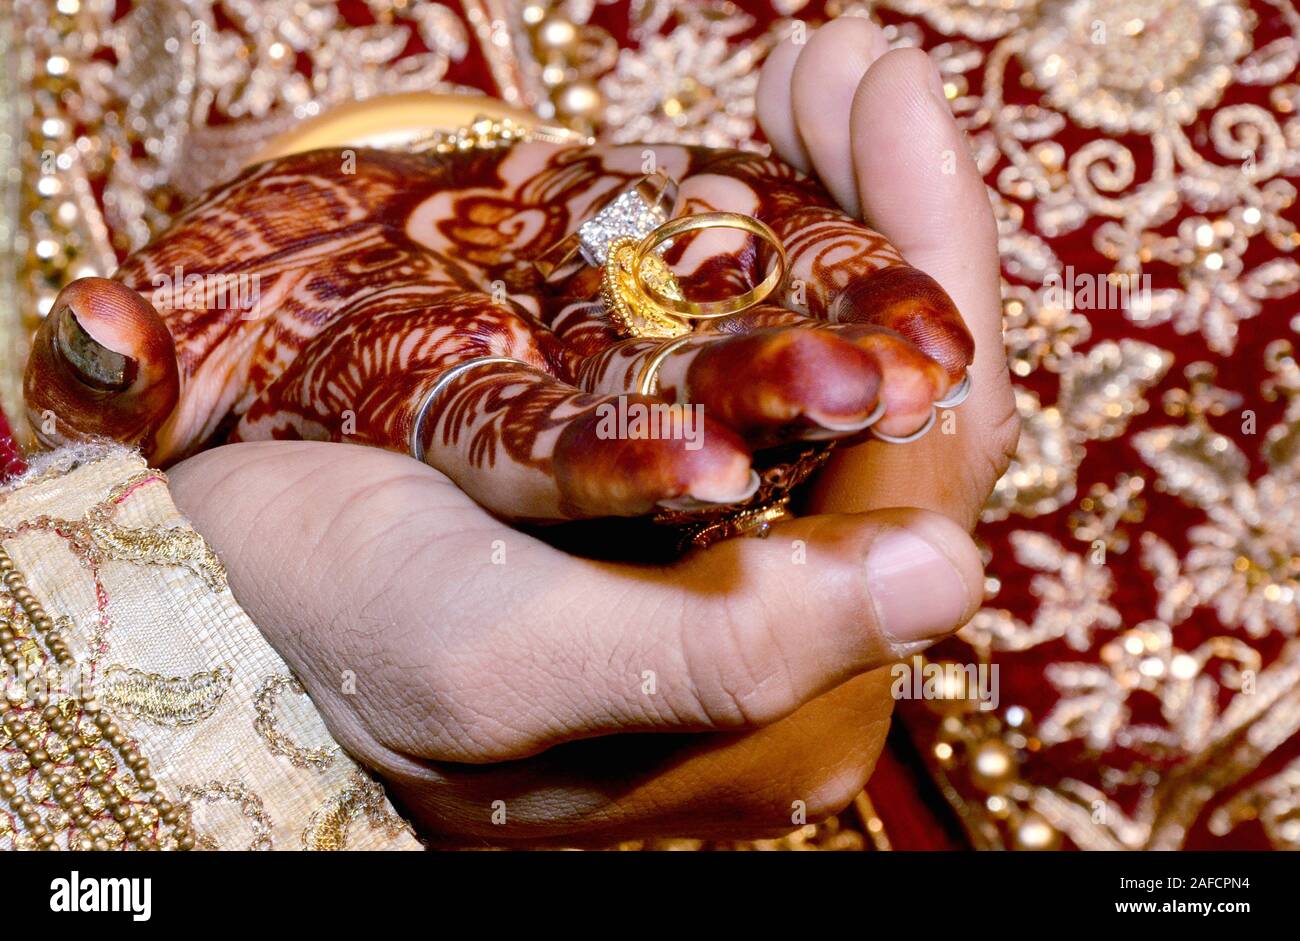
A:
{"points": [[376, 272]]}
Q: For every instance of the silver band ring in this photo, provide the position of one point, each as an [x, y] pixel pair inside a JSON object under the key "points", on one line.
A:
{"points": [[877, 413], [957, 394], [417, 440], [905, 439]]}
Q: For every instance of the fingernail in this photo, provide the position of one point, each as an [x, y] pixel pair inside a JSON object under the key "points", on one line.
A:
{"points": [[690, 503], [917, 593], [93, 363]]}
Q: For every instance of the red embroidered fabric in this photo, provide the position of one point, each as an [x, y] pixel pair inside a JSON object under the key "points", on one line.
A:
{"points": [[1144, 549]]}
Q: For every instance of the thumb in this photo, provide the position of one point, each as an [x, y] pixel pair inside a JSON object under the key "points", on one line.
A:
{"points": [[103, 364], [492, 662], [822, 599], [733, 637]]}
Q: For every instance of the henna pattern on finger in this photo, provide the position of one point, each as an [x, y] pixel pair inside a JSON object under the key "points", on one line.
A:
{"points": [[363, 370], [376, 271], [850, 273]]}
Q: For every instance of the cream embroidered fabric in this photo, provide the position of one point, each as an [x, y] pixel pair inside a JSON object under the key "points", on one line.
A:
{"points": [[142, 604]]}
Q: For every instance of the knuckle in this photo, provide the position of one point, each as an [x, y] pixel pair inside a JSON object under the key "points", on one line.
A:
{"points": [[1003, 436], [736, 668]]}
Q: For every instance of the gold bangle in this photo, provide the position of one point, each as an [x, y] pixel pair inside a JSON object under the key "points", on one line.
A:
{"points": [[648, 382], [709, 310]]}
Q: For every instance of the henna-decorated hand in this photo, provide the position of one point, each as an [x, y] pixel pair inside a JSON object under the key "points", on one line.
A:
{"points": [[322, 296], [467, 671]]}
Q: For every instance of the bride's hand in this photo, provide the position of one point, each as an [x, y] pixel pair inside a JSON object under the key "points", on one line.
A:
{"points": [[372, 275]]}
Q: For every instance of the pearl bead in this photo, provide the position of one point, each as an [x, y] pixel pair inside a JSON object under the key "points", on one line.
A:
{"points": [[556, 33], [1035, 833], [992, 765], [580, 99]]}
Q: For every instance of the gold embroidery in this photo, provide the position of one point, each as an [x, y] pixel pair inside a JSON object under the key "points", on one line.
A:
{"points": [[1100, 393], [268, 726], [1131, 65], [651, 97], [1272, 802], [1244, 560], [179, 546], [70, 775], [329, 825], [246, 802], [96, 538], [165, 700], [104, 783]]}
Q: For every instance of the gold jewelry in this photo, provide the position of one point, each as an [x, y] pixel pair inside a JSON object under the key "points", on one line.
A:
{"points": [[633, 212], [417, 439], [483, 133], [643, 296], [769, 505], [488, 133], [410, 121], [631, 310], [708, 310], [648, 382]]}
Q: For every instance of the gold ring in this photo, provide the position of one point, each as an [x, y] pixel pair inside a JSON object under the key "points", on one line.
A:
{"points": [[648, 382], [709, 310], [631, 311]]}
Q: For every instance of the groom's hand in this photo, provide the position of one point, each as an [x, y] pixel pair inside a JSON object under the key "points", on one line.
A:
{"points": [[469, 663]]}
